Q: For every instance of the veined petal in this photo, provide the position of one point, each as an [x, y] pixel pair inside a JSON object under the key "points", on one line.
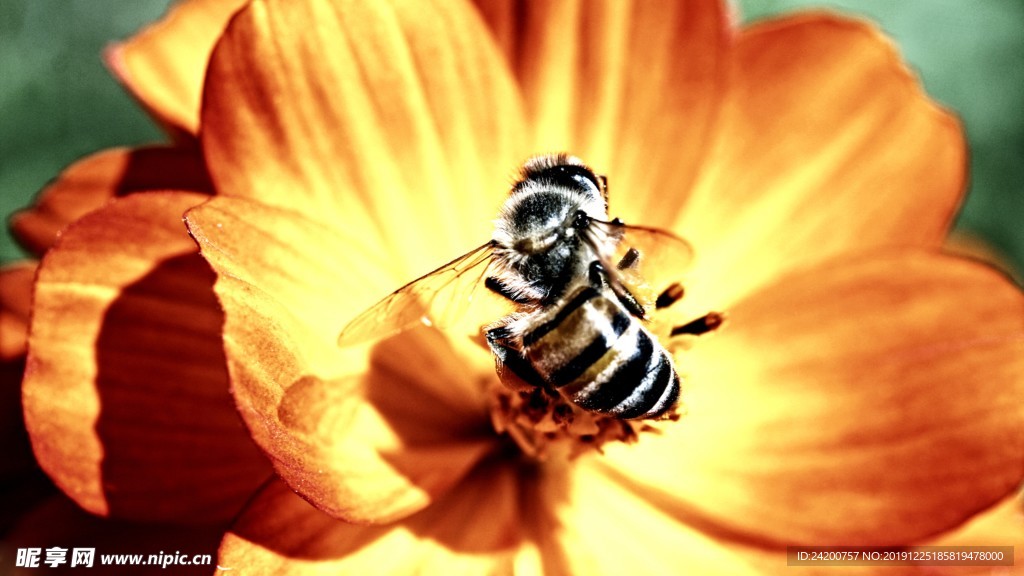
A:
{"points": [[473, 530], [92, 181], [320, 275], [871, 402], [59, 523], [826, 144], [164, 64], [584, 522], [126, 391], [398, 113], [631, 87], [15, 301], [358, 433]]}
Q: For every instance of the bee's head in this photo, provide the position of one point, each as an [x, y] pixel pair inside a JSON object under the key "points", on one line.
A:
{"points": [[538, 230]]}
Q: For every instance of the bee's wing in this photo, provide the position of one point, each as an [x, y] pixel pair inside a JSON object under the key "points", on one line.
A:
{"points": [[441, 298], [659, 258]]}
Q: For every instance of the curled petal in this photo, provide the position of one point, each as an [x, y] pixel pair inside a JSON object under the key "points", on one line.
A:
{"points": [[873, 402], [164, 65], [631, 87], [401, 114], [473, 530], [91, 182], [359, 434], [126, 390], [826, 144]]}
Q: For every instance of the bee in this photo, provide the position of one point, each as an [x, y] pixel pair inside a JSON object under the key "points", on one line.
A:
{"points": [[573, 323]]}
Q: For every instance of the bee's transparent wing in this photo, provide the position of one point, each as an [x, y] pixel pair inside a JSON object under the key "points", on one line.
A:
{"points": [[444, 298], [646, 260]]}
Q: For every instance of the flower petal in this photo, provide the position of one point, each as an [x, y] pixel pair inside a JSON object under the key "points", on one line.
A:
{"points": [[320, 276], [630, 87], [1002, 525], [584, 522], [164, 64], [873, 402], [359, 435], [126, 392], [397, 113], [826, 144], [89, 183], [473, 530], [59, 523], [15, 300]]}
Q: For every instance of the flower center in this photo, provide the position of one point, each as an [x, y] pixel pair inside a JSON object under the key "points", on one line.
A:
{"points": [[541, 423]]}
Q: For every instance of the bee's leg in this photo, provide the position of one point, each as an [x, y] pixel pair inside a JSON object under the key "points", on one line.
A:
{"points": [[629, 259], [599, 279], [506, 355], [702, 325], [598, 275], [500, 288]]}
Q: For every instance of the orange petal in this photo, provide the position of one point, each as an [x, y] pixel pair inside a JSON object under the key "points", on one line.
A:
{"points": [[400, 114], [362, 437], [59, 523], [473, 530], [826, 144], [15, 300], [319, 276], [89, 183], [583, 522], [630, 87], [164, 64], [1002, 525], [126, 392], [872, 402]]}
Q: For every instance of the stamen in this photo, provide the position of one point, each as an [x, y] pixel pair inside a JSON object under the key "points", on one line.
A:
{"points": [[702, 325], [669, 296], [543, 423]]}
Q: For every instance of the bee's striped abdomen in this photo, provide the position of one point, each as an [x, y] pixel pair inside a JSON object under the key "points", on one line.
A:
{"points": [[601, 358]]}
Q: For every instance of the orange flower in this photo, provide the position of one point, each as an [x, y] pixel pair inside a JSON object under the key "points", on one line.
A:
{"points": [[865, 391]]}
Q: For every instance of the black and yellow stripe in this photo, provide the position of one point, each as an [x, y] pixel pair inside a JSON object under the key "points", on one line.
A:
{"points": [[601, 358]]}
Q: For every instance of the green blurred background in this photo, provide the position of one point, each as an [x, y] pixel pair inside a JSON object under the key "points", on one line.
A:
{"points": [[57, 102]]}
